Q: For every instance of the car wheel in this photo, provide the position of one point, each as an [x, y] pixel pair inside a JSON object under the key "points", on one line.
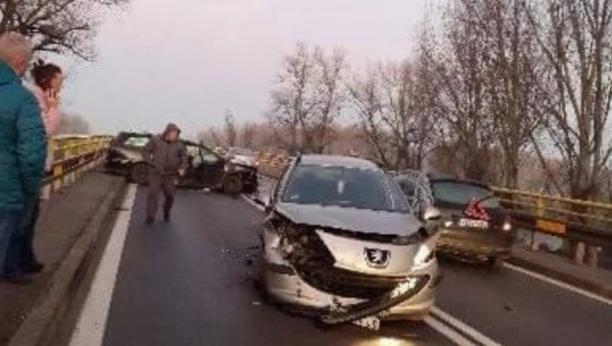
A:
{"points": [[232, 185], [140, 173], [495, 262]]}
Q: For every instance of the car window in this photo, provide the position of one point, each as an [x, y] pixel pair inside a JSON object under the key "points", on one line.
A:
{"points": [[208, 156], [462, 194], [137, 141], [344, 187], [194, 155], [416, 187]]}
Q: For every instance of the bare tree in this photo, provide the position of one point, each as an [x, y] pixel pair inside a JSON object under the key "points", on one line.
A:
{"points": [[57, 26], [308, 97], [365, 99], [458, 59], [212, 136], [247, 134], [393, 105], [229, 127], [575, 37]]}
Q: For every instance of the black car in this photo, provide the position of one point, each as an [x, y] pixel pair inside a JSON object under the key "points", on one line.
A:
{"points": [[206, 169], [475, 225]]}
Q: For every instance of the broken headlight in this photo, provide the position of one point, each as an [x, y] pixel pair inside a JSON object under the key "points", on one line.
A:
{"points": [[425, 255]]}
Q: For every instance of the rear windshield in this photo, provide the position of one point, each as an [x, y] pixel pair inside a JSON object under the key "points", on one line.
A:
{"points": [[136, 141], [462, 194], [344, 187]]}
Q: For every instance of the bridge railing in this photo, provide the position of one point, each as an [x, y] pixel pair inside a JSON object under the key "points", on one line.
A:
{"points": [[568, 219], [571, 219], [72, 156]]}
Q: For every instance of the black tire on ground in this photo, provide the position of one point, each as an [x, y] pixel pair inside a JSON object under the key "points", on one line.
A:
{"points": [[140, 173], [232, 184], [495, 262]]}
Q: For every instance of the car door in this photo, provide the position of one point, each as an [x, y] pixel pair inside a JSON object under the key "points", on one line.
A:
{"points": [[211, 169]]}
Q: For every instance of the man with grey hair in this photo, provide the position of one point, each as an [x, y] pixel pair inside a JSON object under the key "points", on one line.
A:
{"points": [[22, 152]]}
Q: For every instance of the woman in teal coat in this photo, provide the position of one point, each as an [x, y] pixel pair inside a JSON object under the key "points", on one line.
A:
{"points": [[22, 150]]}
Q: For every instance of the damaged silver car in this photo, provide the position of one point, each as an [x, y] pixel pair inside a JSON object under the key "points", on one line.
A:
{"points": [[341, 241]]}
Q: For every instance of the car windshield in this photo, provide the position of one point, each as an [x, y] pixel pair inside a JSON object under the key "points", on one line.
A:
{"points": [[345, 187], [137, 141], [462, 194]]}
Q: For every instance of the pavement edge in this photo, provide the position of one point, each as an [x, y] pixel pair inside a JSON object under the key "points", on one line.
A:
{"points": [[34, 330]]}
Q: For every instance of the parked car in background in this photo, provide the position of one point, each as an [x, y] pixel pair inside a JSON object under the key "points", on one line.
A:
{"points": [[205, 170], [241, 156], [475, 224], [341, 241]]}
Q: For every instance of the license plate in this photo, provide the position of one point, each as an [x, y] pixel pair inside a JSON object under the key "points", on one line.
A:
{"points": [[371, 322], [469, 223]]}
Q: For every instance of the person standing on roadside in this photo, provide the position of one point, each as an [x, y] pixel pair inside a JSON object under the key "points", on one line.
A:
{"points": [[22, 152], [167, 159], [47, 84]]}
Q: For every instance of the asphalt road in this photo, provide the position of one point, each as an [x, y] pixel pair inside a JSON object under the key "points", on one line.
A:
{"points": [[188, 283], [515, 309]]}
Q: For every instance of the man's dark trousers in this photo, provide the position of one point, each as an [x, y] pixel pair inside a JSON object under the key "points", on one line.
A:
{"points": [[28, 258], [165, 183], [11, 229]]}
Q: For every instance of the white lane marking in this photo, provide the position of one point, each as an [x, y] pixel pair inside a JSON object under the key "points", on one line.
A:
{"points": [[253, 203], [560, 284], [452, 335], [91, 324], [464, 328]]}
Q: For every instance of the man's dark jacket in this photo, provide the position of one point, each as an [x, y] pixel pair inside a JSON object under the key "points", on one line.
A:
{"points": [[165, 157]]}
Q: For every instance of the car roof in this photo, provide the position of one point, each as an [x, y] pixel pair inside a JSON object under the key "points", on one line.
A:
{"points": [[338, 161], [123, 136], [438, 178]]}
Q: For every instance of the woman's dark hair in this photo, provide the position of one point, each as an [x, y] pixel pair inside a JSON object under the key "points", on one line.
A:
{"points": [[43, 73]]}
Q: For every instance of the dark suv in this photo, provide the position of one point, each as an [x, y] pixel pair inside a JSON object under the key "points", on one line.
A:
{"points": [[476, 225], [206, 169]]}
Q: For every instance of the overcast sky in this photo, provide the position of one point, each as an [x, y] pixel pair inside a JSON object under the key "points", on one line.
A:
{"points": [[188, 61]]}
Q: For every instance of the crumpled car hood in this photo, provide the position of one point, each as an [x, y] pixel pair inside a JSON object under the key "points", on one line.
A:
{"points": [[350, 219]]}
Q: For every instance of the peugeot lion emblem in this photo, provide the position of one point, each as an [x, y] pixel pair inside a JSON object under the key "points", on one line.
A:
{"points": [[377, 258]]}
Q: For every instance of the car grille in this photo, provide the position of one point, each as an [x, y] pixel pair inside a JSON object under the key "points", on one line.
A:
{"points": [[350, 284]]}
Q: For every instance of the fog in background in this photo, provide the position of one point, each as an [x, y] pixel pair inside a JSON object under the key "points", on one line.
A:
{"points": [[189, 61]]}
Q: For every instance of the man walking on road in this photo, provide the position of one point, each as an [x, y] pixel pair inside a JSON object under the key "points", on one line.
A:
{"points": [[23, 149], [167, 159]]}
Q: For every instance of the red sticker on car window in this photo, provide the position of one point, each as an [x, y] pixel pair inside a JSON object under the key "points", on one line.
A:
{"points": [[475, 210]]}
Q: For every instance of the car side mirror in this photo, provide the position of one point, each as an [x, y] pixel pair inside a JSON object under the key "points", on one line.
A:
{"points": [[431, 214]]}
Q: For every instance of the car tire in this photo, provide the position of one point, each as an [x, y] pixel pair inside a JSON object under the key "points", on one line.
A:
{"points": [[140, 173], [495, 262], [232, 185]]}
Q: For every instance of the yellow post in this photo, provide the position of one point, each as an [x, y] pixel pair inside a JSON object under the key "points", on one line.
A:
{"points": [[57, 173], [539, 205]]}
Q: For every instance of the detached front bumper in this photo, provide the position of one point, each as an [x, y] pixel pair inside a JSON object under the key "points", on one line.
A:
{"points": [[475, 243], [287, 287]]}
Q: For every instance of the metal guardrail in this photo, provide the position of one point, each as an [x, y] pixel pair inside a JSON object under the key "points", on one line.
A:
{"points": [[72, 156], [584, 221]]}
